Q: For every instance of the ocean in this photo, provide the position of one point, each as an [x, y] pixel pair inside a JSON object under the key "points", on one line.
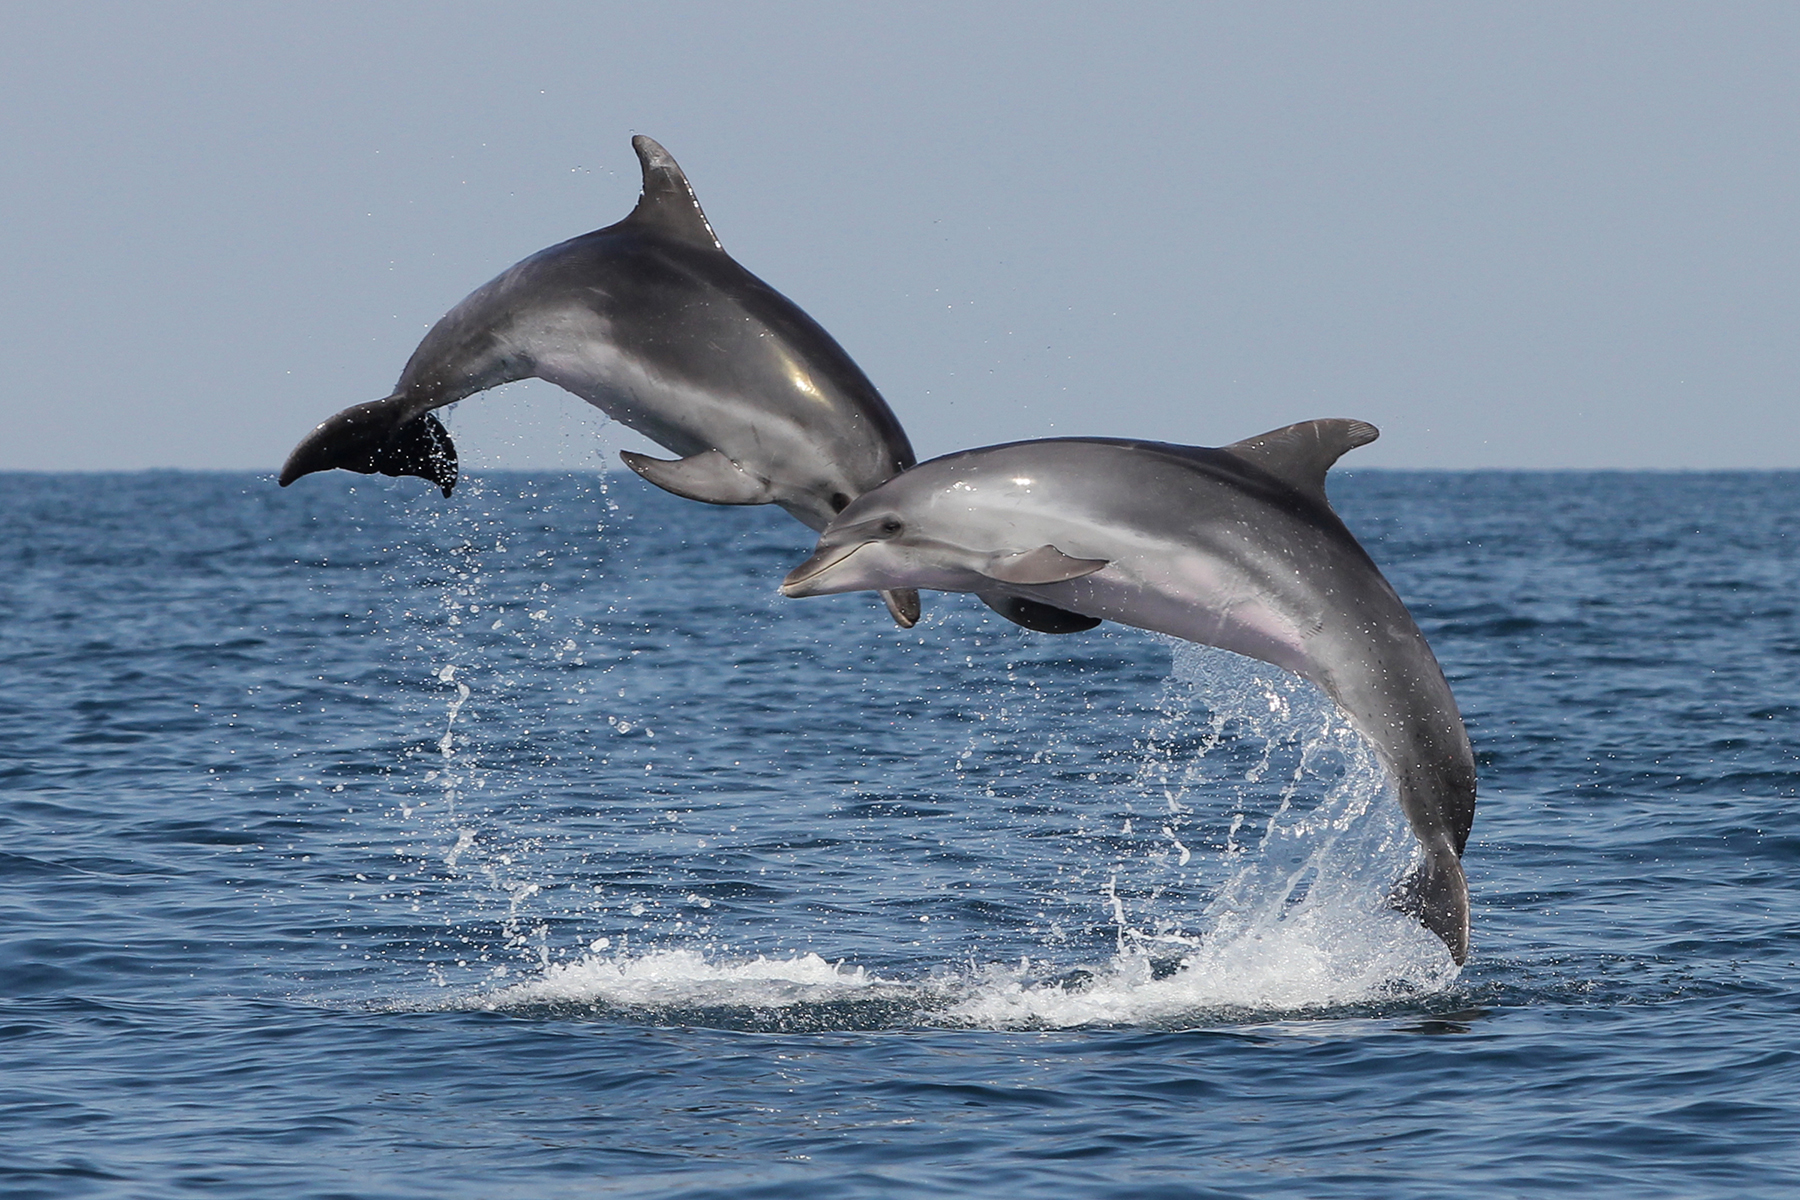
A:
{"points": [[355, 842]]}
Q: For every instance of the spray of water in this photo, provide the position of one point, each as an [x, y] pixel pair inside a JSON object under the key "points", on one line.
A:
{"points": [[1262, 889], [477, 625], [1297, 917], [1249, 873]]}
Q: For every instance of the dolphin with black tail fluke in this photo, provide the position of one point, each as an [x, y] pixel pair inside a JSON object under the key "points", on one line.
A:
{"points": [[650, 321], [1235, 547]]}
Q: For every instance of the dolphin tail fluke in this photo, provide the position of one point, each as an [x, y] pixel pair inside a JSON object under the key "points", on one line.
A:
{"points": [[1437, 894], [903, 603], [377, 438]]}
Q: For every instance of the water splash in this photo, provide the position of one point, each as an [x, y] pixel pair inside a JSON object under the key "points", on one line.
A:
{"points": [[1260, 888], [690, 979], [1009, 852], [480, 618]]}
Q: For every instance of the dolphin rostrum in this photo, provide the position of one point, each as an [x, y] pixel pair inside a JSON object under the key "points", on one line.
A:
{"points": [[1235, 547], [650, 321]]}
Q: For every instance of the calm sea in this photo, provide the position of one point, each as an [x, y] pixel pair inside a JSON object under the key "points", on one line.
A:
{"points": [[355, 842]]}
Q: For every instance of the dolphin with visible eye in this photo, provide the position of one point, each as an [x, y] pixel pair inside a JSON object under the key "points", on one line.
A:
{"points": [[650, 321], [1235, 547]]}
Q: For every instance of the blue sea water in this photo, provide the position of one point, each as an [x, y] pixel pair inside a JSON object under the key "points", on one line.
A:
{"points": [[356, 842]]}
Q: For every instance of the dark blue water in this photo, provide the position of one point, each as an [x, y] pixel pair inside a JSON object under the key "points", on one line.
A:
{"points": [[358, 843]]}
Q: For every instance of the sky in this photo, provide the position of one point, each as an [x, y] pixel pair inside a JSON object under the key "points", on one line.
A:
{"points": [[1511, 235]]}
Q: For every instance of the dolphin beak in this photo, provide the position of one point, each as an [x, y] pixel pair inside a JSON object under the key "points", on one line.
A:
{"points": [[805, 579]]}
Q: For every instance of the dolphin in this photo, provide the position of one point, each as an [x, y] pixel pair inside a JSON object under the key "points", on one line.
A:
{"points": [[1235, 547], [650, 321]]}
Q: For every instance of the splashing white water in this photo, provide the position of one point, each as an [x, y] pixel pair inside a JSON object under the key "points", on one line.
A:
{"points": [[1317, 964], [1244, 864], [689, 979], [1300, 919], [1320, 958], [1295, 918]]}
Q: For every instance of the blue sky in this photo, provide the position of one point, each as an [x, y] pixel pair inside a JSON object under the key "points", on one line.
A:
{"points": [[1521, 235]]}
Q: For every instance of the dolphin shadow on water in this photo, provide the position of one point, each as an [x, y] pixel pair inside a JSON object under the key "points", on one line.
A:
{"points": [[1235, 547], [650, 321]]}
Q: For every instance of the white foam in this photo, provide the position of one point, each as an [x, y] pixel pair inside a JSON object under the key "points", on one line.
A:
{"points": [[1315, 960], [1318, 960], [688, 979]]}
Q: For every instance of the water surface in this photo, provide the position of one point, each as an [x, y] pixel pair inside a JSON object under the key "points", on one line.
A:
{"points": [[356, 842]]}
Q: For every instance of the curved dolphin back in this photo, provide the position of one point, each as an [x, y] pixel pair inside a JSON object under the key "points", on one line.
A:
{"points": [[653, 323], [393, 436]]}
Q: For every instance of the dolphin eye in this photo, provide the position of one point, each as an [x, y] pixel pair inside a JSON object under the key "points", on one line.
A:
{"points": [[890, 527], [839, 502]]}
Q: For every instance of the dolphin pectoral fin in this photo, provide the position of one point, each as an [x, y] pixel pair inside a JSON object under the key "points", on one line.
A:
{"points": [[1436, 893], [367, 440], [1299, 455], [903, 605], [1044, 618], [1046, 564], [708, 477]]}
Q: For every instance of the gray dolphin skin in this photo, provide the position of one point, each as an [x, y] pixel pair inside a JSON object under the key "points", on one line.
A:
{"points": [[650, 321], [1234, 547]]}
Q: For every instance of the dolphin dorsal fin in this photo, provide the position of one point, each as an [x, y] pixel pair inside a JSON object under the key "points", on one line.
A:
{"points": [[1299, 455], [668, 204]]}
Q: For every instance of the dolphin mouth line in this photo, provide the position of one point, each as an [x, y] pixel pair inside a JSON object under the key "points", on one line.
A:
{"points": [[796, 580]]}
